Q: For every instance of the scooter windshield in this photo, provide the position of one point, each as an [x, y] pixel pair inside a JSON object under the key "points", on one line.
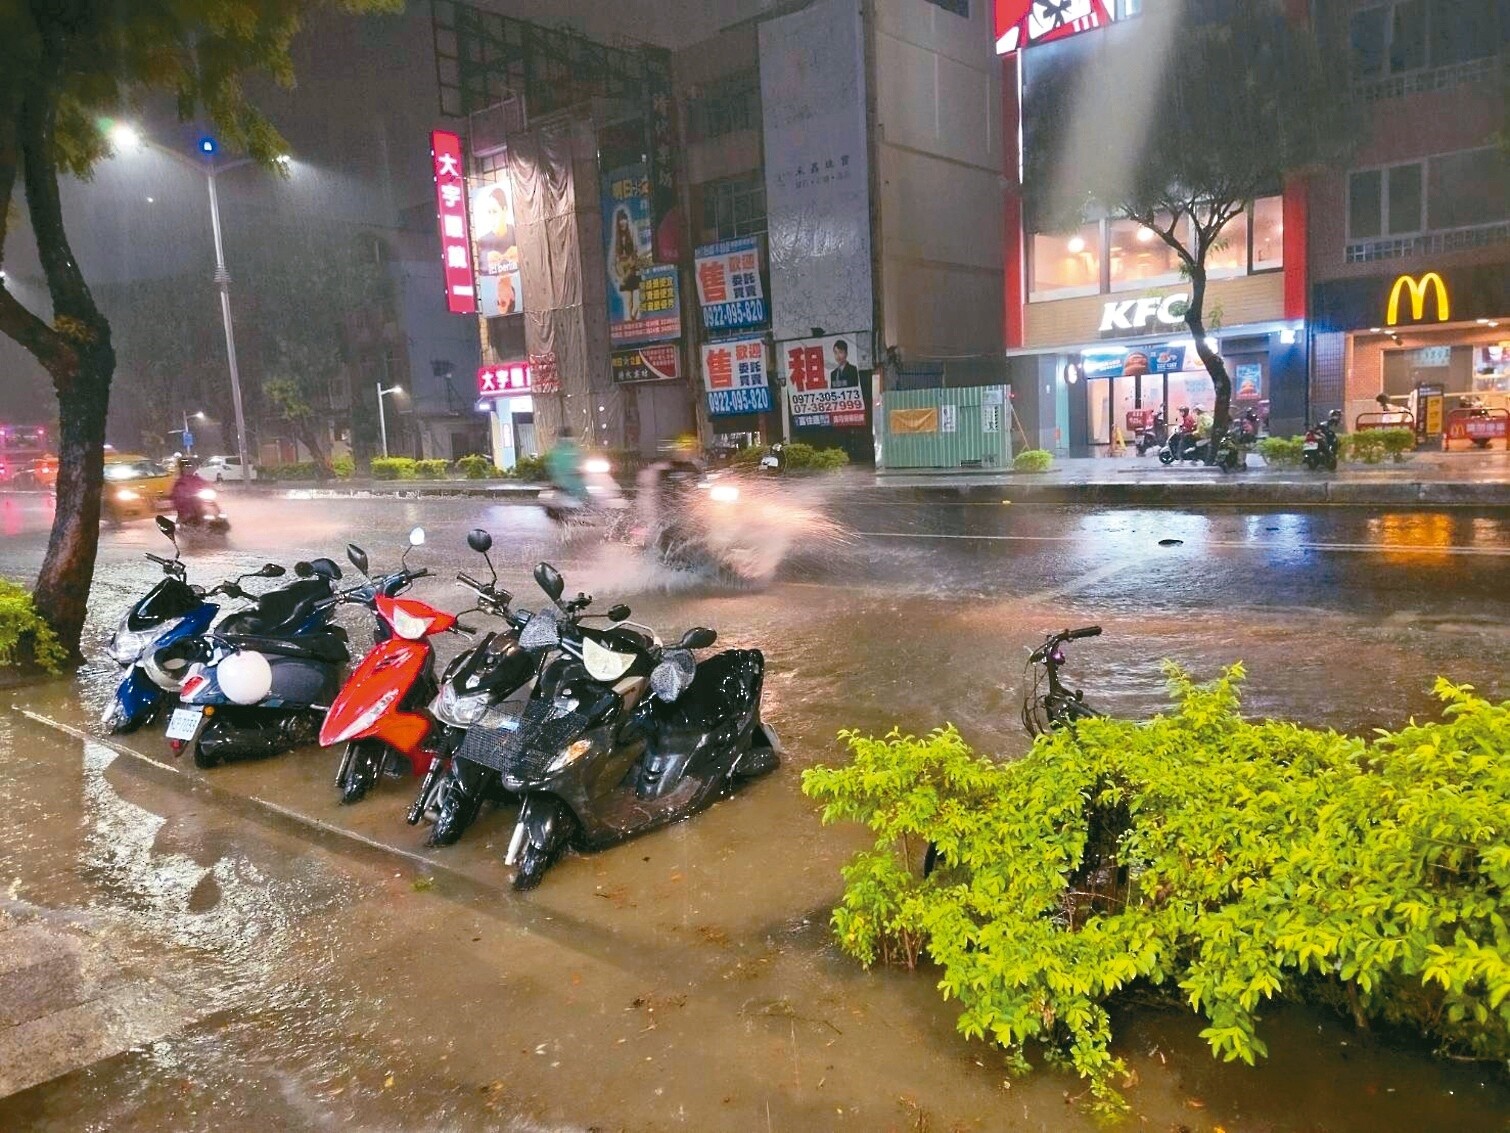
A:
{"points": [[604, 664]]}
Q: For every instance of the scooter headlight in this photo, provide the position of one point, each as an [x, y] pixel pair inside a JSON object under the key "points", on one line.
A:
{"points": [[459, 710], [126, 495], [569, 755], [368, 718], [128, 646], [596, 465], [724, 493], [206, 494]]}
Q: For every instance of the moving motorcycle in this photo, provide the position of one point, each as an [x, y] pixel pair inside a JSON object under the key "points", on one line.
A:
{"points": [[619, 734], [380, 713], [203, 515], [600, 500], [494, 669], [260, 683], [1156, 435], [172, 611], [1322, 444]]}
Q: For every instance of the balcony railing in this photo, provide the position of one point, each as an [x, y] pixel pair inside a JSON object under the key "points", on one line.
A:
{"points": [[1426, 244]]}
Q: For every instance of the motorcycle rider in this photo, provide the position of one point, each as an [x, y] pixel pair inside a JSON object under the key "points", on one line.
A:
{"points": [[563, 464], [1205, 424], [1185, 437], [188, 504], [663, 484]]}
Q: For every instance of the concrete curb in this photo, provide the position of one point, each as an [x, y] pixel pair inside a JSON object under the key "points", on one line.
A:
{"points": [[1281, 494]]}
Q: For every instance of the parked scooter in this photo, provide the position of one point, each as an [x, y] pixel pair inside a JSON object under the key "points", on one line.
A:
{"points": [[1322, 444], [261, 682], [496, 669], [619, 735], [172, 611], [1155, 435], [774, 459], [381, 713], [1234, 442]]}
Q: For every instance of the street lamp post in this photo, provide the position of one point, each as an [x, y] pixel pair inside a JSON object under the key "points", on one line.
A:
{"points": [[382, 418]]}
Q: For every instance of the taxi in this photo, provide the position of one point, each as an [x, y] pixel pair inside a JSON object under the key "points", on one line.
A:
{"points": [[135, 488]]}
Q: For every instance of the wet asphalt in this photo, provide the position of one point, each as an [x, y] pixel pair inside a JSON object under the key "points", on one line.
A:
{"points": [[341, 975]]}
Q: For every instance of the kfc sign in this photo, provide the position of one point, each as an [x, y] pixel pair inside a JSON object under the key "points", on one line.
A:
{"points": [[509, 378], [1022, 23], [1135, 314], [451, 211]]}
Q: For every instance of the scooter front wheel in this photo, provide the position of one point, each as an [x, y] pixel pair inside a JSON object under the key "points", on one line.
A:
{"points": [[1166, 456], [361, 766], [559, 826]]}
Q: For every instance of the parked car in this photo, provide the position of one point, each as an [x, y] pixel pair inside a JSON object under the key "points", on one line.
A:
{"points": [[223, 468], [135, 488], [42, 474]]}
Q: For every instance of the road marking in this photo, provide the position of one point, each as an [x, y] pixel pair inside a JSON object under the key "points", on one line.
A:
{"points": [[1245, 545]]}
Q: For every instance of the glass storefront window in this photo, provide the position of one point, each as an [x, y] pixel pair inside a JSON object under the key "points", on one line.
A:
{"points": [[1230, 256], [1192, 389], [1268, 234], [1067, 264], [1138, 257]]}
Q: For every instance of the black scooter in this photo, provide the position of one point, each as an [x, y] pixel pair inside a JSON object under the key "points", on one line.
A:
{"points": [[1322, 445], [1155, 436], [620, 735]]}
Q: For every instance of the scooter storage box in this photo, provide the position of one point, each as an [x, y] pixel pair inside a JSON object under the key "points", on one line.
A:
{"points": [[297, 681]]}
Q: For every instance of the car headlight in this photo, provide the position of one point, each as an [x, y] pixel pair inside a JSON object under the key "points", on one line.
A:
{"points": [[126, 495], [460, 711], [569, 755], [723, 493]]}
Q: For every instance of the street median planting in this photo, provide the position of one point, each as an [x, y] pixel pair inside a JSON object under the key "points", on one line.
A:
{"points": [[1281, 452], [26, 640], [1371, 446], [477, 467], [432, 469], [395, 468], [1215, 862]]}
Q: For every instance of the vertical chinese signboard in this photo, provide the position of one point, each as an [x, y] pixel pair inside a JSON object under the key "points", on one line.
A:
{"points": [[451, 212], [812, 91], [736, 377], [644, 301], [728, 285], [824, 382]]}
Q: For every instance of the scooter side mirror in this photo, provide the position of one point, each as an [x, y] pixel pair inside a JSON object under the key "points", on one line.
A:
{"points": [[167, 526], [550, 580], [302, 569], [357, 556], [618, 613], [271, 570], [699, 637], [479, 540]]}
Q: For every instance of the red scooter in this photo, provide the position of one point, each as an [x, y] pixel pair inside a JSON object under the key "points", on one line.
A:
{"points": [[382, 712]]}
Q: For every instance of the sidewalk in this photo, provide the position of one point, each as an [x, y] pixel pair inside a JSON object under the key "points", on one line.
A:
{"points": [[1434, 479]]}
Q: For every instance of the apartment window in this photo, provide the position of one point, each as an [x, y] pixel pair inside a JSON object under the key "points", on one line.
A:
{"points": [[1392, 39], [1467, 189], [958, 7], [1365, 204], [1389, 39], [1065, 264], [733, 206], [1464, 30], [1385, 202], [1230, 255], [725, 107]]}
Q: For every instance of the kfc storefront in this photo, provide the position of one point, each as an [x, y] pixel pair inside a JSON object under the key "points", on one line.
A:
{"points": [[1113, 361]]}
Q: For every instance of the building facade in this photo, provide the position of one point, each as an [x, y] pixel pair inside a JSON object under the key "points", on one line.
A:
{"points": [[1410, 245]]}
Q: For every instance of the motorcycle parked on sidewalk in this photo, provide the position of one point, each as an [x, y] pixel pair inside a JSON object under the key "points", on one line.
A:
{"points": [[494, 669], [620, 735], [1322, 444], [261, 682], [1155, 436], [774, 459], [381, 712], [1234, 442], [174, 610]]}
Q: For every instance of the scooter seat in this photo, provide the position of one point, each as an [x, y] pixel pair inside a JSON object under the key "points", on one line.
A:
{"points": [[328, 645], [281, 610]]}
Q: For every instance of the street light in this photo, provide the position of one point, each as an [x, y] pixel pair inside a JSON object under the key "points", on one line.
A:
{"points": [[382, 418], [124, 136]]}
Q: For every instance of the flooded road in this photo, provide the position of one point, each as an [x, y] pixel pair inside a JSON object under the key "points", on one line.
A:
{"points": [[687, 979]]}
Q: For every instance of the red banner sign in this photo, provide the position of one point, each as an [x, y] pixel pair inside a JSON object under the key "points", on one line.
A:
{"points": [[1022, 23], [506, 379], [451, 212]]}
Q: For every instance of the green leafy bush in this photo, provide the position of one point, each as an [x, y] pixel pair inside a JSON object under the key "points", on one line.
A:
{"points": [[24, 636], [1398, 442], [530, 467], [394, 468], [1032, 460], [432, 469], [802, 457], [476, 467], [344, 467], [1281, 451], [1221, 861], [748, 457], [1367, 446]]}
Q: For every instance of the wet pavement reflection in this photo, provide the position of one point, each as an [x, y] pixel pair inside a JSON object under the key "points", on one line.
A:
{"points": [[687, 979]]}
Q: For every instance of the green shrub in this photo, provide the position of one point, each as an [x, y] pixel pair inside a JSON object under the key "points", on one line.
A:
{"points": [[748, 457], [1223, 862], [343, 467], [802, 457], [301, 470], [1032, 460], [1398, 442], [394, 468], [24, 636], [530, 467], [432, 469], [1367, 446], [476, 467], [1281, 451]]}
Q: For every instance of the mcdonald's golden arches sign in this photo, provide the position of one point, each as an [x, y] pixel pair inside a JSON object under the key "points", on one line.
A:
{"points": [[1418, 289]]}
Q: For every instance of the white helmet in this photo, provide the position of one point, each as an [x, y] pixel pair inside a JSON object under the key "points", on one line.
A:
{"points": [[245, 677]]}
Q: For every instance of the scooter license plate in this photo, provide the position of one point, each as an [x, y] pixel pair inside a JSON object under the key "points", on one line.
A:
{"points": [[1310, 446], [184, 723]]}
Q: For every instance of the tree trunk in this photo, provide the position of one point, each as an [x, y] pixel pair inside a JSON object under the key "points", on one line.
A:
{"points": [[1195, 319]]}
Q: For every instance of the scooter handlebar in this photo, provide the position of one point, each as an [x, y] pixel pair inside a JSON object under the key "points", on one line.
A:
{"points": [[467, 580], [423, 572], [1077, 634]]}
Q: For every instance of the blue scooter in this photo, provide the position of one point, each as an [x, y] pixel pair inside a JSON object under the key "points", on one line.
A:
{"points": [[172, 611]]}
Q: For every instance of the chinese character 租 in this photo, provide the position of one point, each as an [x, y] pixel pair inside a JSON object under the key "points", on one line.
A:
{"points": [[805, 367]]}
